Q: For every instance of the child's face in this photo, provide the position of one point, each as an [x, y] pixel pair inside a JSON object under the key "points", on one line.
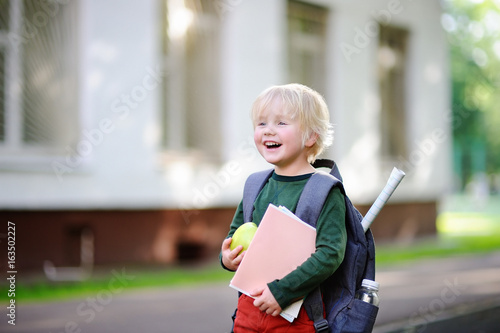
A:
{"points": [[279, 140]]}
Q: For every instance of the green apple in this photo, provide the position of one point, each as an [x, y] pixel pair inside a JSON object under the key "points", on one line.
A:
{"points": [[243, 235]]}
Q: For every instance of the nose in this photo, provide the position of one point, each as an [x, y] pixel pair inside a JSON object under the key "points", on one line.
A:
{"points": [[269, 130]]}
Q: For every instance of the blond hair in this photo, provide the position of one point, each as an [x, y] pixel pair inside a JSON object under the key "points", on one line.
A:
{"points": [[304, 104]]}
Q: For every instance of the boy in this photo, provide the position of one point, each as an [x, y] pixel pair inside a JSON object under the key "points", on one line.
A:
{"points": [[291, 127]]}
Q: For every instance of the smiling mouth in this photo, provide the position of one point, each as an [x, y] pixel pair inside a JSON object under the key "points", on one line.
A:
{"points": [[272, 145]]}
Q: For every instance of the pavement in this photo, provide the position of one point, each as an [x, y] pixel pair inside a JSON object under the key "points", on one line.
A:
{"points": [[459, 294], [416, 297]]}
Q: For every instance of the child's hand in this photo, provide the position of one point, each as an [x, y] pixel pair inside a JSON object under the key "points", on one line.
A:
{"points": [[265, 301], [231, 259]]}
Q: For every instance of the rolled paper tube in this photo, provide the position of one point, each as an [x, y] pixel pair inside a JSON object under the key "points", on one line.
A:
{"points": [[393, 182]]}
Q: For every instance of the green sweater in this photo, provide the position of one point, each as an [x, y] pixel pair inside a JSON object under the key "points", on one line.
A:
{"points": [[330, 238]]}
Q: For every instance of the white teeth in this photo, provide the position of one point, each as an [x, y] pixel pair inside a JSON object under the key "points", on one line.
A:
{"points": [[272, 144]]}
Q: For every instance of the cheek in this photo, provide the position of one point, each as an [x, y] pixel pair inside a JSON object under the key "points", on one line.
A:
{"points": [[256, 136], [292, 137]]}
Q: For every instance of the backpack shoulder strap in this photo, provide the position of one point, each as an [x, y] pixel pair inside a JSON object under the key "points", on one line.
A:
{"points": [[325, 163], [338, 291], [312, 198], [253, 185], [314, 195], [309, 208]]}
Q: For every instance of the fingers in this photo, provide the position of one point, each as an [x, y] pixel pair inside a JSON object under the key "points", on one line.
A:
{"points": [[226, 247], [236, 251], [239, 257], [265, 301], [226, 243], [266, 307], [272, 312], [231, 258], [259, 303], [257, 292]]}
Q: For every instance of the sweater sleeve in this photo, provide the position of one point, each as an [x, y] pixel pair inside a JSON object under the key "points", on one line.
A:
{"points": [[237, 221], [331, 241]]}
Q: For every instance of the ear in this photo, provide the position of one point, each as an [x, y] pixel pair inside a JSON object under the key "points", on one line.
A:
{"points": [[312, 140]]}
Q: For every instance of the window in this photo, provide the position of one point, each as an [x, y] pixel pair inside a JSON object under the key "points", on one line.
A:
{"points": [[38, 73], [192, 87], [392, 55], [4, 30], [306, 44], [2, 94]]}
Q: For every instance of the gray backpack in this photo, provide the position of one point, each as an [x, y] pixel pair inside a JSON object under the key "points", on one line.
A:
{"points": [[344, 313]]}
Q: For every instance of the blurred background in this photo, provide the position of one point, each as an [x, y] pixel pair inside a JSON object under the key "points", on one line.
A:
{"points": [[125, 136]]}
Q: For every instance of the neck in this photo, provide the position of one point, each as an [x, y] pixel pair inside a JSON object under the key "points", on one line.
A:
{"points": [[294, 170]]}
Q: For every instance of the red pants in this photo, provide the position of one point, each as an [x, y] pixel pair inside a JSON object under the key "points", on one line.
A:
{"points": [[251, 319]]}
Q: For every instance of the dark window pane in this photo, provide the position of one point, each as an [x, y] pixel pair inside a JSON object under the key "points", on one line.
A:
{"points": [[2, 95], [392, 61], [306, 44], [4, 15]]}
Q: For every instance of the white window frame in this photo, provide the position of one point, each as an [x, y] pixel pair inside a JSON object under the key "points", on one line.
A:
{"points": [[176, 112], [310, 44], [389, 135], [12, 108], [15, 155]]}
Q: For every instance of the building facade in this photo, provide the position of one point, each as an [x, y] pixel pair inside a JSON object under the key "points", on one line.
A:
{"points": [[129, 120]]}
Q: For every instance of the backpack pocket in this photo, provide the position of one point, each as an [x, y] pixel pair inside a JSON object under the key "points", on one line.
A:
{"points": [[359, 317]]}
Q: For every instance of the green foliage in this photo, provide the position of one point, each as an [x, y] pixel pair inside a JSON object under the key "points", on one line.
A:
{"points": [[436, 248], [474, 34]]}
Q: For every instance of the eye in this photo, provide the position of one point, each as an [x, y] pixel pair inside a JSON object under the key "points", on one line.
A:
{"points": [[281, 123], [261, 124]]}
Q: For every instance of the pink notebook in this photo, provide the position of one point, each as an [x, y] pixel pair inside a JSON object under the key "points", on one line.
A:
{"points": [[281, 243]]}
